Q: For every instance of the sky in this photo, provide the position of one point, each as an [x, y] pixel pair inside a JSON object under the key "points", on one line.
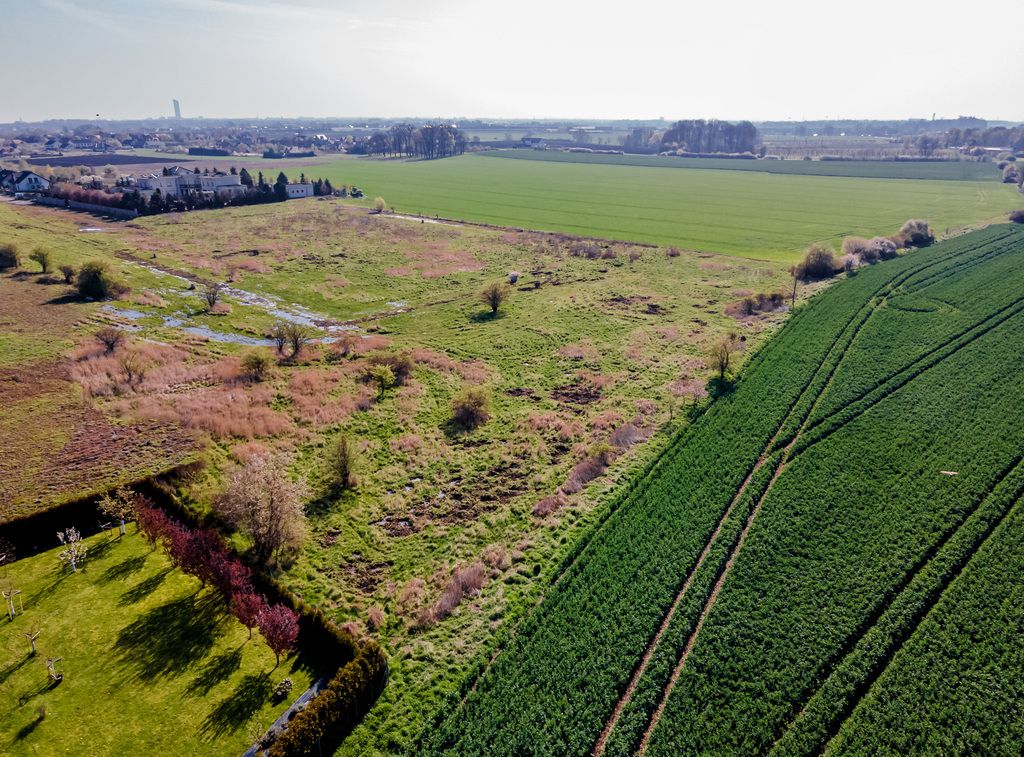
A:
{"points": [[788, 59]]}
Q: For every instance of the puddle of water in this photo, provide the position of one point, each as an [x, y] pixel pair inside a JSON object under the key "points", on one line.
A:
{"points": [[87, 229], [398, 303], [134, 315], [216, 336]]}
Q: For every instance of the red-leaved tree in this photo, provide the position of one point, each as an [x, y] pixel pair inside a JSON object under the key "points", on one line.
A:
{"points": [[248, 608], [280, 628]]}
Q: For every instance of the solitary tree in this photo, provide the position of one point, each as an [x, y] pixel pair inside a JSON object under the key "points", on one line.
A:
{"points": [[471, 407], [263, 501], [41, 256], [68, 272], [721, 354], [280, 628], [298, 336], [212, 296], [494, 295], [32, 634], [383, 376], [256, 365]]}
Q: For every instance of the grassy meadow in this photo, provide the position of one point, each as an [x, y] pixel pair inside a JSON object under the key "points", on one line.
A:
{"points": [[150, 662], [749, 214], [598, 351]]}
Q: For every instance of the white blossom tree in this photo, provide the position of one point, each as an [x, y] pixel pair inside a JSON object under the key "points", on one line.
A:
{"points": [[120, 506], [74, 550], [262, 500]]}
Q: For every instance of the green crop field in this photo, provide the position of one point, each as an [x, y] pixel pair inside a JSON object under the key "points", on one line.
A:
{"points": [[150, 662], [844, 549], [864, 169], [745, 213]]}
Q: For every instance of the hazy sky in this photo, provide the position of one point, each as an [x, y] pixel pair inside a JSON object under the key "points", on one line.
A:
{"points": [[523, 58]]}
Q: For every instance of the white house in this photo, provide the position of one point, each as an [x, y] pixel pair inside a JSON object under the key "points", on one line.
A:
{"points": [[23, 181], [179, 180], [299, 190]]}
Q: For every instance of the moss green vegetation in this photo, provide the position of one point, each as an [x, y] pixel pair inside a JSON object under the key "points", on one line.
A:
{"points": [[863, 169], [845, 505], [746, 213], [150, 662]]}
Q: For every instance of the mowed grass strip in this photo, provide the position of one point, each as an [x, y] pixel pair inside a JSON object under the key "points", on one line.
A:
{"points": [[745, 213], [964, 170], [152, 665]]}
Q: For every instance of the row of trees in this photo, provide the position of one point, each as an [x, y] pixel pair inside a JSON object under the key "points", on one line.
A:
{"points": [[202, 553], [428, 141], [998, 136]]}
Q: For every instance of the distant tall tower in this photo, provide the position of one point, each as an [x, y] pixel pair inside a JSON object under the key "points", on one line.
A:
{"points": [[177, 109]]}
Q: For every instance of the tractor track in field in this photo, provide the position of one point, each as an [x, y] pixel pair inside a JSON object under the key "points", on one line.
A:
{"points": [[874, 303], [864, 312], [908, 629]]}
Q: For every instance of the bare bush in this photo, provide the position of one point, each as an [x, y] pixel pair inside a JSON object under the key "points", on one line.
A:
{"points": [[494, 295], [884, 248], [855, 246], [465, 580], [550, 504], [69, 272], [212, 296], [97, 283], [111, 338], [915, 233], [673, 252], [343, 461], [1017, 216]]}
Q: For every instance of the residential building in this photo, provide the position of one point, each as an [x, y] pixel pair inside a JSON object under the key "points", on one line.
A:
{"points": [[23, 181], [299, 190]]}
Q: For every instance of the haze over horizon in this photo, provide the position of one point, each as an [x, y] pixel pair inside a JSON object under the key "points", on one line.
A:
{"points": [[313, 58]]}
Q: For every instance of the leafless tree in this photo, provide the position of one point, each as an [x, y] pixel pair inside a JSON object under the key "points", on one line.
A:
{"points": [[262, 500], [721, 355], [134, 367], [212, 296], [32, 634]]}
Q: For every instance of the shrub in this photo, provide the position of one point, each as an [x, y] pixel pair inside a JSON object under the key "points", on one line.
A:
{"points": [[42, 257], [915, 233], [494, 295], [379, 205], [68, 272], [10, 257], [401, 365], [110, 337], [471, 408], [1010, 174], [855, 246], [1017, 216], [884, 248], [343, 462], [283, 689], [256, 365], [96, 282], [819, 263], [673, 252]]}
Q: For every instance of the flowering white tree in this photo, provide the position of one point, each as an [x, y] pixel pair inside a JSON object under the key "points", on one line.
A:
{"points": [[261, 499], [74, 550]]}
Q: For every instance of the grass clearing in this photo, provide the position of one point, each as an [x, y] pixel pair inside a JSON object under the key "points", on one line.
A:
{"points": [[744, 213], [150, 662]]}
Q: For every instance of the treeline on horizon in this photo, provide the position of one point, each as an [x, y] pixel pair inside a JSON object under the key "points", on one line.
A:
{"points": [[428, 141], [696, 136]]}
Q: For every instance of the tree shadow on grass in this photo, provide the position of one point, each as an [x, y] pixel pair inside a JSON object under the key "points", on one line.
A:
{"points": [[486, 316], [13, 668], [124, 569], [218, 669], [143, 589], [235, 710], [171, 638], [26, 730]]}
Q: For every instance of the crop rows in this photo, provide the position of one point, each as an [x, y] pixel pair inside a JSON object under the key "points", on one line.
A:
{"points": [[578, 652], [841, 533]]}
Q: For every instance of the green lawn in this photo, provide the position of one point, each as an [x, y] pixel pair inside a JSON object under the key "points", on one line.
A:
{"points": [[865, 169], [745, 213], [151, 665]]}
